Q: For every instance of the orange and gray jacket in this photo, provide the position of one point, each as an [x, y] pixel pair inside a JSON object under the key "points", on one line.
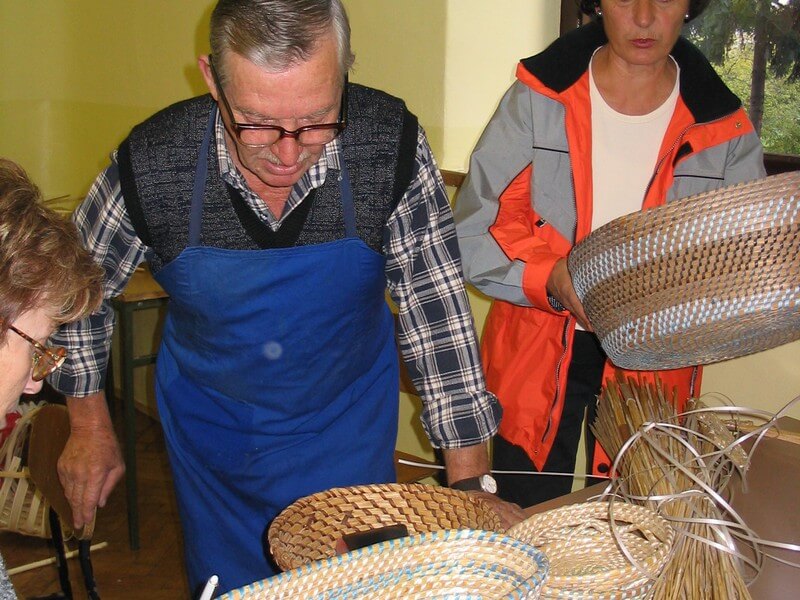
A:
{"points": [[528, 199]]}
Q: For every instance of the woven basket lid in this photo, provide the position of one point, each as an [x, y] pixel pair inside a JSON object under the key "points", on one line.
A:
{"points": [[699, 280], [443, 564], [585, 551], [308, 529]]}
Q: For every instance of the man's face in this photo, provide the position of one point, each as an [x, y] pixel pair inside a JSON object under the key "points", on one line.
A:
{"points": [[307, 93]]}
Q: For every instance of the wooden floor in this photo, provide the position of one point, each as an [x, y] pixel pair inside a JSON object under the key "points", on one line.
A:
{"points": [[155, 571]]}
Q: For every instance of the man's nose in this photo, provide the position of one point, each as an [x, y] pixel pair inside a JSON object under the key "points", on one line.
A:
{"points": [[287, 150]]}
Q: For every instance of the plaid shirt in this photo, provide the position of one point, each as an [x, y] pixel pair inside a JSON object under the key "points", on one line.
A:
{"points": [[423, 273]]}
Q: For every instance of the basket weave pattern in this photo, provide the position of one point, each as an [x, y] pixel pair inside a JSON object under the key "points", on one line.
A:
{"points": [[23, 509], [703, 279], [437, 565], [586, 560], [308, 529]]}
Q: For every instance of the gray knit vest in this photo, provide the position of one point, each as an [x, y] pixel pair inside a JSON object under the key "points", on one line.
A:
{"points": [[157, 166]]}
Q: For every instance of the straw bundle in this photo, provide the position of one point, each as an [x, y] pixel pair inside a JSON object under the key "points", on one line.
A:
{"points": [[599, 550], [444, 564], [681, 470], [23, 509], [308, 529]]}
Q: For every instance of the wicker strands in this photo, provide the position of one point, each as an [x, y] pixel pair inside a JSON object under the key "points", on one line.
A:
{"points": [[23, 509], [450, 564], [588, 546], [703, 279], [308, 529]]}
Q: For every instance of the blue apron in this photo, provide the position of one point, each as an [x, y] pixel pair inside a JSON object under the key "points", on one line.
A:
{"points": [[277, 378]]}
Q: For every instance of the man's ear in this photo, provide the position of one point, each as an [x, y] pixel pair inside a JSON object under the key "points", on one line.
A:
{"points": [[204, 64]]}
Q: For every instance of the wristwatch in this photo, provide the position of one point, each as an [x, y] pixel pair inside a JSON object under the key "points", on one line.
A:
{"points": [[482, 483]]}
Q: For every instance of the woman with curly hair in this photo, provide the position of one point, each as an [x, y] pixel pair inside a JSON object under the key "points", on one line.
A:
{"points": [[46, 279]]}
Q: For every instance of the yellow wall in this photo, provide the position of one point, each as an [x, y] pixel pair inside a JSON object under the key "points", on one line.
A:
{"points": [[77, 74]]}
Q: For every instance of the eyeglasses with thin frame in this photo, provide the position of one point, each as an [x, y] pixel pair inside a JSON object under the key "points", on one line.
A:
{"points": [[260, 136], [45, 360]]}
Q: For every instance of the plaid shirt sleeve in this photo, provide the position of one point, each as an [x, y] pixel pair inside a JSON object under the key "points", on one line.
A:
{"points": [[106, 231], [436, 332]]}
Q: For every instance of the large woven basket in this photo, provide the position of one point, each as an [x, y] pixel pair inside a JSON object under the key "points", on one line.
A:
{"points": [[444, 564], [585, 553], [23, 508], [308, 529], [707, 278]]}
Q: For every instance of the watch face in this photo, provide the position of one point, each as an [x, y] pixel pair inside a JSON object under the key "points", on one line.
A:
{"points": [[488, 484]]}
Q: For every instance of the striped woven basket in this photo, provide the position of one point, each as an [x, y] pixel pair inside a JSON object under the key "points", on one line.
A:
{"points": [[23, 509], [308, 529], [437, 565], [589, 558], [707, 278]]}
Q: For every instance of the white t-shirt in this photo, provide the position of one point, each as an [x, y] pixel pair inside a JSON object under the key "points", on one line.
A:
{"points": [[624, 154]]}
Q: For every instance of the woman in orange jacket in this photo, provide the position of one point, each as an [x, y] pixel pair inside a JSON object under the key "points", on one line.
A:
{"points": [[620, 115]]}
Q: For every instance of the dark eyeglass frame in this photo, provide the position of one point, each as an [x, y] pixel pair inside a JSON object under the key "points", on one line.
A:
{"points": [[41, 368], [338, 127]]}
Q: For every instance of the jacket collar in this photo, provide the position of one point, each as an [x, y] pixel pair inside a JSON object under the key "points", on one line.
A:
{"points": [[562, 63]]}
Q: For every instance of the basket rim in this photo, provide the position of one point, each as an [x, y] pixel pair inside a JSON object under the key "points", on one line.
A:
{"points": [[432, 538]]}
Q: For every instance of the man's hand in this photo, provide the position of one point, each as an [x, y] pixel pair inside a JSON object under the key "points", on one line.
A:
{"points": [[91, 464], [472, 461], [509, 513], [559, 286]]}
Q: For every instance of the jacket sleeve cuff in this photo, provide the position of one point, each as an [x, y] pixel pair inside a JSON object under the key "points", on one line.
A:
{"points": [[534, 283]]}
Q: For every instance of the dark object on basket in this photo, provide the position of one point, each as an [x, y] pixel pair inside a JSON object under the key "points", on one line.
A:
{"points": [[361, 539], [703, 279]]}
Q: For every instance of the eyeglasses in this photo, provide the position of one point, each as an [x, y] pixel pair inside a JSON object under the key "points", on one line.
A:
{"points": [[45, 360], [259, 136]]}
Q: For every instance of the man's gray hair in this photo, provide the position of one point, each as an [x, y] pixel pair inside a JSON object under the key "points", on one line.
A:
{"points": [[277, 34]]}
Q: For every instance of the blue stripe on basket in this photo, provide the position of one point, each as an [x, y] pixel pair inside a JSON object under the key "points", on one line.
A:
{"points": [[366, 586]]}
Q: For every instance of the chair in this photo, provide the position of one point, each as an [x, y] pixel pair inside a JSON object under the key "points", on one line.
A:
{"points": [[33, 501]]}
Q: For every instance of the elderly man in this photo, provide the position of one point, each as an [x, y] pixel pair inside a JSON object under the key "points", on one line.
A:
{"points": [[275, 212]]}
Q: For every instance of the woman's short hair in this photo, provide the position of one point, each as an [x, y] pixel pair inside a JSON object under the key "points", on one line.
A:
{"points": [[42, 262], [696, 7], [277, 34]]}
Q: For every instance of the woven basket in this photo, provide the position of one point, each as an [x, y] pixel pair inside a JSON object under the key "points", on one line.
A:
{"points": [[703, 279], [23, 509], [308, 529], [586, 560], [443, 564]]}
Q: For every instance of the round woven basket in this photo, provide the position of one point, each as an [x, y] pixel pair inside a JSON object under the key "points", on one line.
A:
{"points": [[443, 564], [308, 529], [707, 278], [585, 551]]}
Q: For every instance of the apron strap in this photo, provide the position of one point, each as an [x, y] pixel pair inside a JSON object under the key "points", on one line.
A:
{"points": [[200, 174], [348, 209]]}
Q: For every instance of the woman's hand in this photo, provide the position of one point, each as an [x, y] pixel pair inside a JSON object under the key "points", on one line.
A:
{"points": [[559, 286]]}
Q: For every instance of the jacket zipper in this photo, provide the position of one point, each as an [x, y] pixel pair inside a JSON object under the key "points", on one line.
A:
{"points": [[663, 158], [693, 380], [558, 378], [564, 334]]}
